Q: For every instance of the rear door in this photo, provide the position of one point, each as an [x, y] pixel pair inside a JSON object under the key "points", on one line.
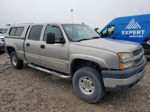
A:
{"points": [[32, 44]]}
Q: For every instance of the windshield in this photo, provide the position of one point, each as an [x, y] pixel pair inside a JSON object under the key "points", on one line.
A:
{"points": [[80, 32]]}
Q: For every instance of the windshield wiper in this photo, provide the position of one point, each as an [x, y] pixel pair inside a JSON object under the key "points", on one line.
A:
{"points": [[88, 38], [95, 37], [83, 39]]}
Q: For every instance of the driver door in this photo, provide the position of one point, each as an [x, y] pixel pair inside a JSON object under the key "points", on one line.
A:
{"points": [[55, 55]]}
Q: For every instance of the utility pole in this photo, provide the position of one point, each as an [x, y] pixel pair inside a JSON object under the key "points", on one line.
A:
{"points": [[71, 15], [72, 20]]}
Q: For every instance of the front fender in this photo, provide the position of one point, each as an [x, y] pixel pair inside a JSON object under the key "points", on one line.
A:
{"points": [[101, 62]]}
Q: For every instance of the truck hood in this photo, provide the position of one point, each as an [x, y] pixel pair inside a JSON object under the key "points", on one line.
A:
{"points": [[110, 45]]}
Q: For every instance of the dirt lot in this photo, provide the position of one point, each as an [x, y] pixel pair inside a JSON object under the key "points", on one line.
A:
{"points": [[29, 90]]}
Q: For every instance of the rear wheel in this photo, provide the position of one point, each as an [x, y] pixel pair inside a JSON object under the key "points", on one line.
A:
{"points": [[88, 84], [15, 62]]}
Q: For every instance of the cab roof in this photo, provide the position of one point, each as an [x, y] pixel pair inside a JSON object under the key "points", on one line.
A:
{"points": [[27, 24]]}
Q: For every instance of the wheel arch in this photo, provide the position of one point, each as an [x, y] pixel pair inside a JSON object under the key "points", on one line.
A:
{"points": [[83, 60], [10, 49]]}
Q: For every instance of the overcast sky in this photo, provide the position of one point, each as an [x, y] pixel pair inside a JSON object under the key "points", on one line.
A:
{"points": [[95, 13]]}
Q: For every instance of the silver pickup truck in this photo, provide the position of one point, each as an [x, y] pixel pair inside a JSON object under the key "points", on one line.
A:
{"points": [[74, 51]]}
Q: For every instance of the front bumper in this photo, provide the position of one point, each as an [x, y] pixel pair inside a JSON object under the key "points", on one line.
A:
{"points": [[120, 79]]}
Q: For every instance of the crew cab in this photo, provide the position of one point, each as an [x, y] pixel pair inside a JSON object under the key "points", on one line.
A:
{"points": [[74, 51]]}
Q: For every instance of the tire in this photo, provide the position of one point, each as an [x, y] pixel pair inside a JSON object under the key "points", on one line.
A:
{"points": [[15, 62], [91, 75]]}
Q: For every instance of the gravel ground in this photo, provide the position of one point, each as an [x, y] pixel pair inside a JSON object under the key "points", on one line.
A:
{"points": [[29, 90]]}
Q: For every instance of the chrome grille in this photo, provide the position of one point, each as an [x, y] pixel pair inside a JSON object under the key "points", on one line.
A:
{"points": [[137, 53], [138, 61]]}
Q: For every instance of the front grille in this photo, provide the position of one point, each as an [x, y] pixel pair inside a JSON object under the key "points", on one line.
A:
{"points": [[137, 52], [138, 61]]}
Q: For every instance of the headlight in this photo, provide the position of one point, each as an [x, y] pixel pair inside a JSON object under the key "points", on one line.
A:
{"points": [[123, 56], [128, 65]]}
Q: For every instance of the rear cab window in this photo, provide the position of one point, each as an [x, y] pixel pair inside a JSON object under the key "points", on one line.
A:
{"points": [[16, 31]]}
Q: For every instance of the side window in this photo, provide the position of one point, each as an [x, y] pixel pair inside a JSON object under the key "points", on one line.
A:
{"points": [[111, 30], [53, 29], [12, 31], [35, 32], [19, 31], [16, 31], [108, 31]]}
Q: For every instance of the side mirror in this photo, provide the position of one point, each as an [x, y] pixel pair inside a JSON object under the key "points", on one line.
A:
{"points": [[50, 39]]}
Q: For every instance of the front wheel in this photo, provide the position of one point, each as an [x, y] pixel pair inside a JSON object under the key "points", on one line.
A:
{"points": [[88, 84], [15, 62]]}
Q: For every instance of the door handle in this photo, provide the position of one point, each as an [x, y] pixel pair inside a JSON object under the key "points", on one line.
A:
{"points": [[42, 46], [27, 44]]}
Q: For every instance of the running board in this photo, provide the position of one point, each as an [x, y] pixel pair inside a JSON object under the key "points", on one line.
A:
{"points": [[49, 71]]}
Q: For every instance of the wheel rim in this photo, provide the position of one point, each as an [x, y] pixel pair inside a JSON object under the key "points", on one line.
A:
{"points": [[14, 60], [86, 85]]}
